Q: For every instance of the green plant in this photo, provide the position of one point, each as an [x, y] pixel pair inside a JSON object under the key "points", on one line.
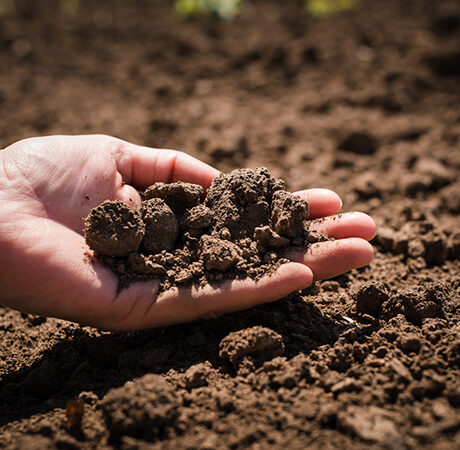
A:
{"points": [[225, 9], [322, 8]]}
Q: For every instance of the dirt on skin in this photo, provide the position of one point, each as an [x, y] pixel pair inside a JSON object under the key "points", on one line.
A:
{"points": [[245, 217], [365, 103]]}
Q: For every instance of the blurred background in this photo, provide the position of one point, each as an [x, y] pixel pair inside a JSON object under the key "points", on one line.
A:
{"points": [[360, 96]]}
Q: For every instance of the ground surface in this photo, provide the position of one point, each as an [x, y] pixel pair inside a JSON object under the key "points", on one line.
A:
{"points": [[365, 103]]}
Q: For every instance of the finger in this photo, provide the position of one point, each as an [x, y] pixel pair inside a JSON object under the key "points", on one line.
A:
{"points": [[321, 202], [127, 194], [353, 224], [142, 166], [188, 304], [332, 258]]}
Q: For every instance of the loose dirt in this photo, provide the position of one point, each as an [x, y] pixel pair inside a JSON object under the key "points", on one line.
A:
{"points": [[365, 103]]}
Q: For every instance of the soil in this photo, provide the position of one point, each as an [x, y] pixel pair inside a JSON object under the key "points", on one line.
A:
{"points": [[364, 102], [245, 216]]}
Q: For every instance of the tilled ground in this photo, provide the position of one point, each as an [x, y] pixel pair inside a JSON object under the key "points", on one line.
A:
{"points": [[365, 103]]}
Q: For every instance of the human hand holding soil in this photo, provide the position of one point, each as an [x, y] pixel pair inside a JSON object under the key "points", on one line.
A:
{"points": [[47, 187]]}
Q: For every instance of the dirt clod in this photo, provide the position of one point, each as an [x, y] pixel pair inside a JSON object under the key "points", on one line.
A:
{"points": [[269, 238], [409, 342], [257, 342], [218, 254], [179, 196], [141, 408], [161, 228], [241, 200], [114, 229], [198, 217], [370, 296], [416, 304], [196, 376], [289, 213]]}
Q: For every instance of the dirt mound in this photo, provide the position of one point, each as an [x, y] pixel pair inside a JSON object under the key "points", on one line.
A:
{"points": [[232, 234]]}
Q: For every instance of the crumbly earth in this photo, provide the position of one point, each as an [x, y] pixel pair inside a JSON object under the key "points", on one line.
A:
{"points": [[161, 226], [365, 103], [114, 229], [178, 196], [244, 227]]}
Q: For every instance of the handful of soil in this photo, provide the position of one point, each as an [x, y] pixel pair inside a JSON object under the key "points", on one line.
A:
{"points": [[241, 229]]}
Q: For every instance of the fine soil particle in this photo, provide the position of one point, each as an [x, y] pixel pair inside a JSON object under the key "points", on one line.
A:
{"points": [[245, 214], [371, 357]]}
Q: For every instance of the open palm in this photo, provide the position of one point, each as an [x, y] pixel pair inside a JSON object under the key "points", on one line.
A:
{"points": [[49, 185]]}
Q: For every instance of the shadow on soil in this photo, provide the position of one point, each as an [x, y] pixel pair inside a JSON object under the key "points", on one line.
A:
{"points": [[88, 363]]}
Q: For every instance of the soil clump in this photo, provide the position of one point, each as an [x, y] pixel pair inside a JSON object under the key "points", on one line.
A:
{"points": [[232, 233]]}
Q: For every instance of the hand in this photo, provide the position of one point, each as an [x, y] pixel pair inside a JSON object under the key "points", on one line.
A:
{"points": [[49, 185]]}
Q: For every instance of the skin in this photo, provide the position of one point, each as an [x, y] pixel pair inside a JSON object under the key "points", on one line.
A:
{"points": [[48, 186]]}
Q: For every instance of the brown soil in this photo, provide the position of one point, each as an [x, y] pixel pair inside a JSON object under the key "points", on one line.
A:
{"points": [[234, 233], [364, 102]]}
